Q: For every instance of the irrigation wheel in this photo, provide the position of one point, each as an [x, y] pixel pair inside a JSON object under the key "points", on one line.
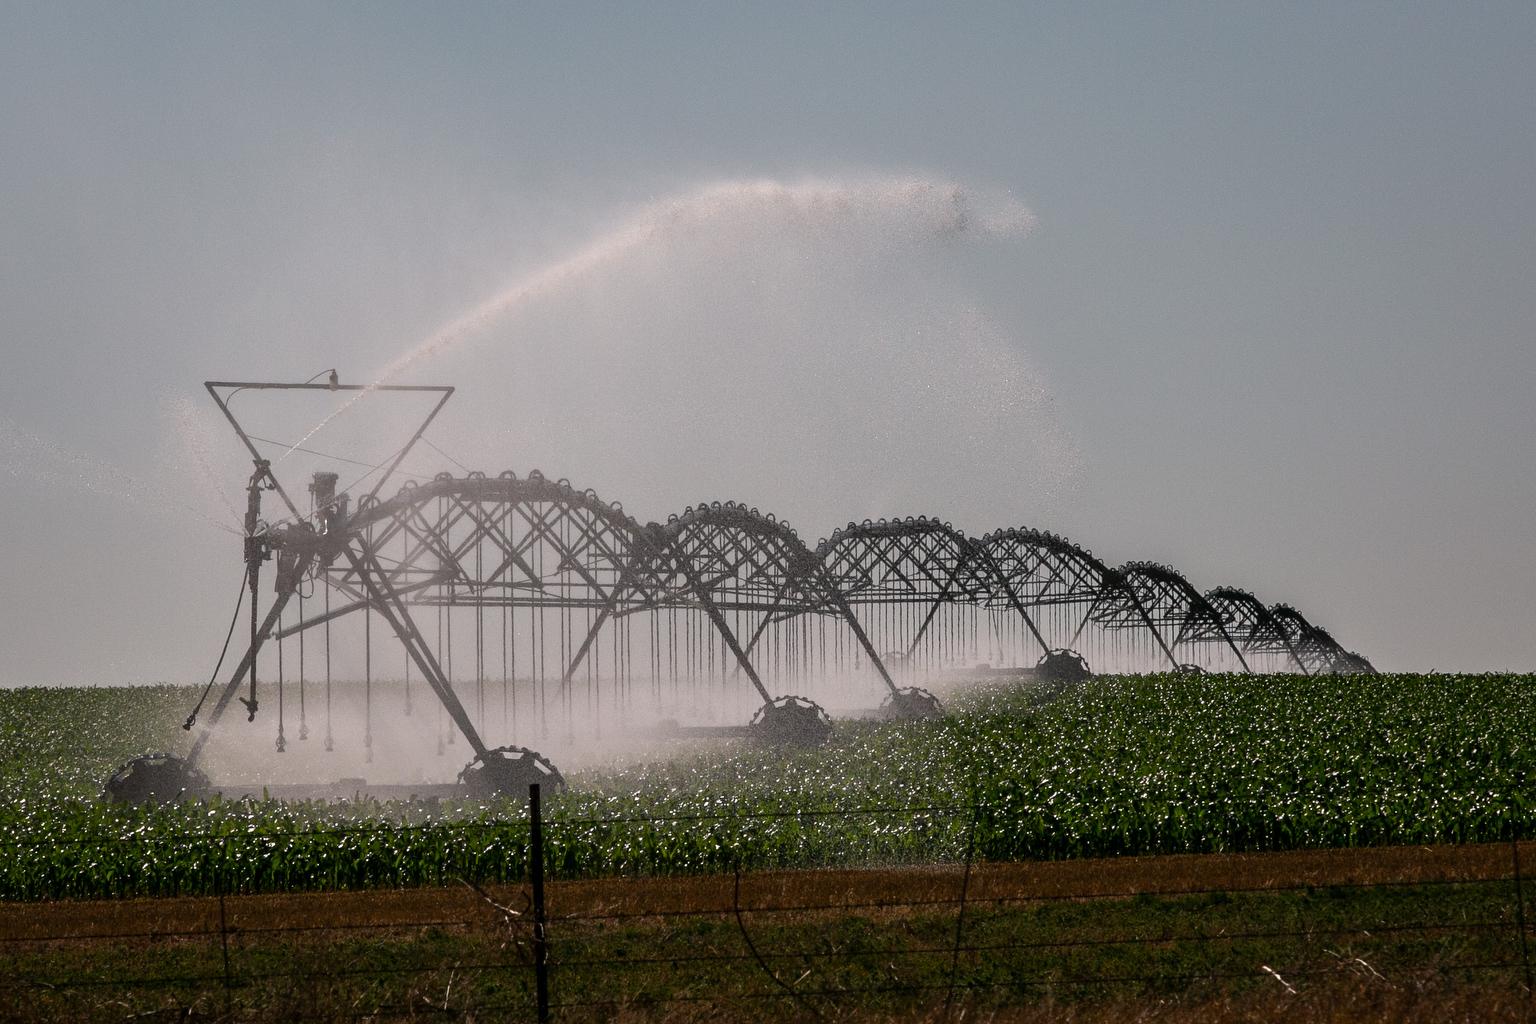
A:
{"points": [[155, 778], [791, 722], [1063, 666], [910, 703], [1188, 669], [508, 772], [1350, 663]]}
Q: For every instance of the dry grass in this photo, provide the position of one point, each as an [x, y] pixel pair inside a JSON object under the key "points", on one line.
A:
{"points": [[1347, 1000], [865, 889], [461, 951]]}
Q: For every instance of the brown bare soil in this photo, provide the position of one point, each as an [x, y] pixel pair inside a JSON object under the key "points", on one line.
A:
{"points": [[862, 889], [1412, 934]]}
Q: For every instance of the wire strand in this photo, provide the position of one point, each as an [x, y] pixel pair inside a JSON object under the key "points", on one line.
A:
{"points": [[235, 618]]}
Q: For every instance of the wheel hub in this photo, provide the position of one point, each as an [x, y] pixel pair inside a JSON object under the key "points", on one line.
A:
{"points": [[507, 772], [155, 778], [910, 703], [1063, 666], [791, 722]]}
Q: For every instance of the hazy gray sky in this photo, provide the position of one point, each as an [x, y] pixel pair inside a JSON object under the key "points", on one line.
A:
{"points": [[1275, 324]]}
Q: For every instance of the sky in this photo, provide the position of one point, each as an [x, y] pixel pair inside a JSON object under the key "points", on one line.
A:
{"points": [[1242, 288]]}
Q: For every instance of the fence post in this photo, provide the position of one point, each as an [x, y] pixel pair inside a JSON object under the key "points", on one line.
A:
{"points": [[1525, 951], [536, 876], [218, 887], [965, 888]]}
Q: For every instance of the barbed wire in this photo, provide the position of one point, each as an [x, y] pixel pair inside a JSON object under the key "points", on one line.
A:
{"points": [[983, 890]]}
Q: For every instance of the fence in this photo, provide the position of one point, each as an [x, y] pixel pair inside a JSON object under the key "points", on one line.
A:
{"points": [[798, 943]]}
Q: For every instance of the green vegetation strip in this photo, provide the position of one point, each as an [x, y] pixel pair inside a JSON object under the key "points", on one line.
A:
{"points": [[1155, 764]]}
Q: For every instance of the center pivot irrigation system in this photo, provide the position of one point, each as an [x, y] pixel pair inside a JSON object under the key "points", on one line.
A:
{"points": [[575, 610]]}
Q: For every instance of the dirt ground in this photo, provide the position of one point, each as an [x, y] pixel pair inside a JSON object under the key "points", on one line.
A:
{"points": [[1387, 934], [863, 889]]}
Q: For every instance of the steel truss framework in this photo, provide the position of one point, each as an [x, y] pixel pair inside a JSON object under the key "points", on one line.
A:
{"points": [[544, 582], [576, 611]]}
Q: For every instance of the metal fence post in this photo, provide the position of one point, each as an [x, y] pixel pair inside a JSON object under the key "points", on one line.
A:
{"points": [[536, 876], [218, 887], [1525, 951], [965, 888]]}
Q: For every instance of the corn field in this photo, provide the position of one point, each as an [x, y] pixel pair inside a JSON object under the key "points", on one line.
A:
{"points": [[1117, 766]]}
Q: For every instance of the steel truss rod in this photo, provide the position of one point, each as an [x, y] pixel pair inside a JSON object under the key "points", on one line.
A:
{"points": [[347, 609], [288, 578], [1228, 638], [610, 603], [769, 619], [445, 391], [858, 631], [1173, 662], [1291, 650], [1121, 585], [933, 610], [1087, 617], [1013, 598], [701, 594], [398, 616]]}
